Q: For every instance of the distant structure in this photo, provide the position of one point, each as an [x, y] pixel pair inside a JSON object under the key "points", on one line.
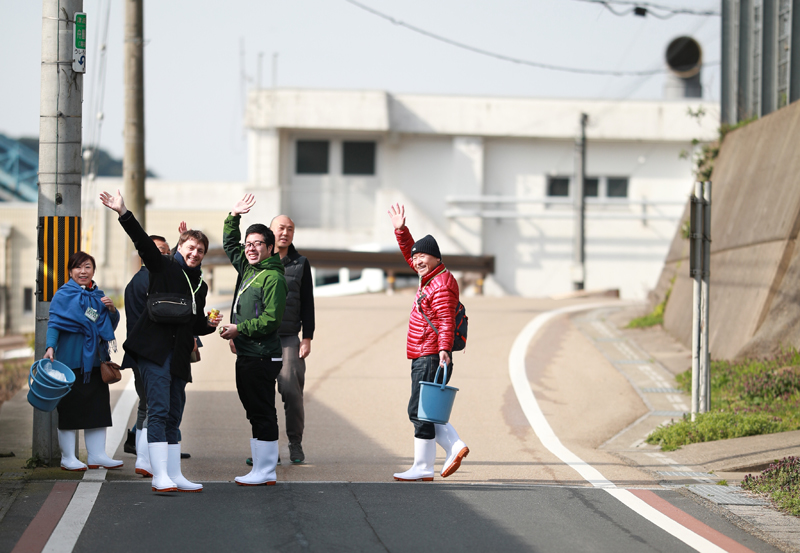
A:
{"points": [[760, 57], [485, 175], [19, 166]]}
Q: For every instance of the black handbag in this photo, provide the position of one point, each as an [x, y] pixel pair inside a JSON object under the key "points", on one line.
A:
{"points": [[173, 309]]}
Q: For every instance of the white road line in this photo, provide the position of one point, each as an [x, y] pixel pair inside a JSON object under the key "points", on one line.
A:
{"points": [[65, 536], [119, 418], [543, 430], [69, 528]]}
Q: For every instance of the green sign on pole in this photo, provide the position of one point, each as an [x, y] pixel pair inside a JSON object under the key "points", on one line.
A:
{"points": [[80, 31], [79, 51]]}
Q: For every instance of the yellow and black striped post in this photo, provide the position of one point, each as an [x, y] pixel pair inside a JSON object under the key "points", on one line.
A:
{"points": [[59, 238]]}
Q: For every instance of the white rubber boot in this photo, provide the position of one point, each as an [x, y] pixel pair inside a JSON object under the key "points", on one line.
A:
{"points": [[454, 448], [142, 454], [424, 459], [95, 439], [66, 441], [265, 459], [158, 465], [174, 470]]}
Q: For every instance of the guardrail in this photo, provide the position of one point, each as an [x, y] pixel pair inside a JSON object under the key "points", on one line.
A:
{"points": [[644, 204]]}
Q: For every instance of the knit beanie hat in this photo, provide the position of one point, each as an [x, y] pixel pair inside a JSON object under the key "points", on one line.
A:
{"points": [[426, 244]]}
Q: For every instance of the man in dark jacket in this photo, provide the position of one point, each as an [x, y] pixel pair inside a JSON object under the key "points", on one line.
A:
{"points": [[162, 349], [257, 312], [135, 304], [299, 314]]}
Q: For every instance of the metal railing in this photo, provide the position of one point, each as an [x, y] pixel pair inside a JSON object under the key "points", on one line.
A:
{"points": [[649, 209]]}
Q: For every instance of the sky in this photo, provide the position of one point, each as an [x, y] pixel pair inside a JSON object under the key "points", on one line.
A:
{"points": [[195, 80]]}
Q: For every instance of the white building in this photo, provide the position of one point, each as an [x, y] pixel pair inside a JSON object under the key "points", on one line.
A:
{"points": [[484, 176]]}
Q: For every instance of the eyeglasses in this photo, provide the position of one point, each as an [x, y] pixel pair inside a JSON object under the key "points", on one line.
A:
{"points": [[255, 244]]}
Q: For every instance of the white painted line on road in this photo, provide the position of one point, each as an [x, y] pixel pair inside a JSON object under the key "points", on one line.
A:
{"points": [[543, 430], [65, 536], [693, 540], [519, 379], [119, 418]]}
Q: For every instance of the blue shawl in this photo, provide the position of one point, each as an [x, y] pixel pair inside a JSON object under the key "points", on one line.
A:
{"points": [[68, 314]]}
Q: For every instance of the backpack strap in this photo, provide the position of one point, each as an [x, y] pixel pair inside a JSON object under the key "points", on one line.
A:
{"points": [[419, 306]]}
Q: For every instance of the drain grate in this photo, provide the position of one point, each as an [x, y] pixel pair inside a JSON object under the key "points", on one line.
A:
{"points": [[725, 495]]}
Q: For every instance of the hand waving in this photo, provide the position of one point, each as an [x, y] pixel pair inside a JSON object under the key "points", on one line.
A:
{"points": [[244, 205], [182, 227], [115, 203], [397, 213]]}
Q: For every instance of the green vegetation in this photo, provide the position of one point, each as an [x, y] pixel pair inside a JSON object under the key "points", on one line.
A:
{"points": [[722, 483], [651, 319], [657, 316], [781, 481], [748, 397], [705, 156]]}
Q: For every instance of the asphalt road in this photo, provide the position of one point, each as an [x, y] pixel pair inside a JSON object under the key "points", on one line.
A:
{"points": [[511, 494]]}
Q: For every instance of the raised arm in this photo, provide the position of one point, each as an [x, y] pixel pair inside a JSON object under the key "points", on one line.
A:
{"points": [[147, 249], [397, 213], [232, 236]]}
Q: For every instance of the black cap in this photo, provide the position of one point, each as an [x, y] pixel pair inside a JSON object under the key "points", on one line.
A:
{"points": [[426, 244]]}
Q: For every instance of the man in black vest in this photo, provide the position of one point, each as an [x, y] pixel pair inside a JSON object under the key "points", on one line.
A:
{"points": [[299, 314]]}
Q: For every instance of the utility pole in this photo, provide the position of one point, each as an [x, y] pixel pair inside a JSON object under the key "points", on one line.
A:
{"points": [[60, 164], [579, 203], [133, 164]]}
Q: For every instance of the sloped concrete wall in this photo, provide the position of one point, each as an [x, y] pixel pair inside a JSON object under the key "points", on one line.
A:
{"points": [[755, 220]]}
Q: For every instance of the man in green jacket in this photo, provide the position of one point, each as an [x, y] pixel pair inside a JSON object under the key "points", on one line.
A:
{"points": [[257, 313]]}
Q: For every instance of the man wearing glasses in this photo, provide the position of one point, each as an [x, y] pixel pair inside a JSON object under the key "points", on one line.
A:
{"points": [[257, 313]]}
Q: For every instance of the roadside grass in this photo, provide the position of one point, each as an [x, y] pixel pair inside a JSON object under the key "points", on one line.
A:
{"points": [[781, 482], [748, 397], [657, 315]]}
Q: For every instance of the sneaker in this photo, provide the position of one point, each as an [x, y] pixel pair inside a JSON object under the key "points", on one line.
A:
{"points": [[130, 443], [296, 454], [186, 455]]}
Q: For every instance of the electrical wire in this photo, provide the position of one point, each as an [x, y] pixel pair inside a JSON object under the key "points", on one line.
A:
{"points": [[669, 10], [511, 59]]}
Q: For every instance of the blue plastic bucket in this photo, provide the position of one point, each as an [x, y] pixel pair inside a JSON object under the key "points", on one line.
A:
{"points": [[45, 391], [436, 400]]}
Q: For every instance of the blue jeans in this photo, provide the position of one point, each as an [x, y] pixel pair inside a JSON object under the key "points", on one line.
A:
{"points": [[423, 369], [166, 397]]}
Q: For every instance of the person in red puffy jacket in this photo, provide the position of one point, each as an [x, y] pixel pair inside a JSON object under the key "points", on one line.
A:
{"points": [[429, 344]]}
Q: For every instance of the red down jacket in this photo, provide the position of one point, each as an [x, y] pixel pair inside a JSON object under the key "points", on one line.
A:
{"points": [[439, 293]]}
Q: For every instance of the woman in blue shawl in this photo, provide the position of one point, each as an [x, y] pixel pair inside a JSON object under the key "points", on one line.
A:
{"points": [[82, 323]]}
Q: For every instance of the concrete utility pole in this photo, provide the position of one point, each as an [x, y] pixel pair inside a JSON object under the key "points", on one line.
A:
{"points": [[579, 203], [133, 165], [60, 164]]}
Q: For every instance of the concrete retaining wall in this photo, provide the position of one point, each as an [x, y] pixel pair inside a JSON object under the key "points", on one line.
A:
{"points": [[755, 267]]}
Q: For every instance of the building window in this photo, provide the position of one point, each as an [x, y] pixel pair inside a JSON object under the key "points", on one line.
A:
{"points": [[591, 187], [358, 158], [312, 157], [27, 300], [558, 186], [617, 187]]}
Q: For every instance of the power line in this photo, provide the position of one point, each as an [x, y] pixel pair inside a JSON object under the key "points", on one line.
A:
{"points": [[511, 59], [645, 8]]}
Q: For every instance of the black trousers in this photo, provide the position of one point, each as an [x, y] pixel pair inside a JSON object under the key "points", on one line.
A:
{"points": [[423, 369], [255, 382]]}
